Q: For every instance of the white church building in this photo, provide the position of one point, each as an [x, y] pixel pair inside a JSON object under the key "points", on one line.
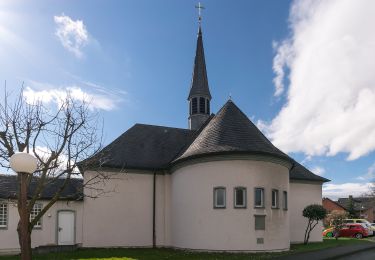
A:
{"points": [[219, 185]]}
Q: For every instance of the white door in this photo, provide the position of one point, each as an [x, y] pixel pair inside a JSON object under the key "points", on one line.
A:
{"points": [[65, 228]]}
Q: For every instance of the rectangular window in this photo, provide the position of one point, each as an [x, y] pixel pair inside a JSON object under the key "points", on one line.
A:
{"points": [[259, 198], [275, 199], [194, 106], [260, 222], [285, 200], [3, 215], [34, 212], [202, 105], [240, 197], [208, 106], [219, 197]]}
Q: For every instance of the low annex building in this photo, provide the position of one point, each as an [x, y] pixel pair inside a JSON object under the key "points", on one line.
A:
{"points": [[218, 185], [61, 225]]}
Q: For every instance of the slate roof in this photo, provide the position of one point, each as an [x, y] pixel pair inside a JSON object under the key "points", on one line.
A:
{"points": [[358, 203], [150, 147], [230, 131], [199, 82], [299, 172], [73, 191], [146, 147]]}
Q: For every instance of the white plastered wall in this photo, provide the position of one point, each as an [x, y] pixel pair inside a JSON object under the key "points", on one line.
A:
{"points": [[123, 217], [47, 234], [197, 225], [303, 194]]}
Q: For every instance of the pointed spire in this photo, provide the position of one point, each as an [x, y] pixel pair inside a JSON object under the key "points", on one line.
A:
{"points": [[199, 82]]}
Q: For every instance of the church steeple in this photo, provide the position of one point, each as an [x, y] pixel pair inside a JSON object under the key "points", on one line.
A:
{"points": [[199, 97]]}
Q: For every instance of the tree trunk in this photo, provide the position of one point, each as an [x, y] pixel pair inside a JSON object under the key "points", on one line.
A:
{"points": [[24, 238], [24, 233]]}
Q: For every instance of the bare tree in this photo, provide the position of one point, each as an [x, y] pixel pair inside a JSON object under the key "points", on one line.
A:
{"points": [[59, 138]]}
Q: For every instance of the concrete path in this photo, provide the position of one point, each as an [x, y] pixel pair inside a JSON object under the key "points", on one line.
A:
{"points": [[333, 253]]}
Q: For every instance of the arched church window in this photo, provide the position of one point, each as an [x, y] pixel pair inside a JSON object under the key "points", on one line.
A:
{"points": [[194, 106], [202, 105]]}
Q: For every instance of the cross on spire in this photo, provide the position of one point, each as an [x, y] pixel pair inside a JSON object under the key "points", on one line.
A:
{"points": [[200, 8]]}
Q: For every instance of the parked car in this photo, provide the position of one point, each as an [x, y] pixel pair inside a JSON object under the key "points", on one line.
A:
{"points": [[328, 232], [364, 222], [349, 230]]}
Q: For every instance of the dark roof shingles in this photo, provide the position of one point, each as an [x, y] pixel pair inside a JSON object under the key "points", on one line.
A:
{"points": [[299, 172], [73, 191], [230, 131], [146, 147], [199, 82]]}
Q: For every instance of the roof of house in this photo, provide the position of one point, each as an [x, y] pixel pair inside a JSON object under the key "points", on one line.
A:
{"points": [[73, 190], [147, 147], [230, 131], [359, 203], [334, 202], [199, 82], [299, 172]]}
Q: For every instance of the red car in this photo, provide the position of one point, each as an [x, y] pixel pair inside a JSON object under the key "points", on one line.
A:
{"points": [[349, 230]]}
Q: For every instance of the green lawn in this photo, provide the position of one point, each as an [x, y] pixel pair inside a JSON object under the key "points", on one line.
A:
{"points": [[153, 254]]}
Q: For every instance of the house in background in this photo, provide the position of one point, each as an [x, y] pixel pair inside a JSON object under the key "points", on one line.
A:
{"points": [[219, 185], [61, 225], [331, 205], [364, 207]]}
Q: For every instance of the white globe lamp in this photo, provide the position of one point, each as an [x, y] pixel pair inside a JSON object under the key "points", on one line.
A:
{"points": [[23, 163]]}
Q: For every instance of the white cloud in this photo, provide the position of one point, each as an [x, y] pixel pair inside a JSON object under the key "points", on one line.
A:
{"points": [[370, 175], [329, 60], [47, 93], [318, 170], [335, 191], [72, 34], [281, 60]]}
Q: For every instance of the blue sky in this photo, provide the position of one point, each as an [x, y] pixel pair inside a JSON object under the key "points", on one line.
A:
{"points": [[300, 70]]}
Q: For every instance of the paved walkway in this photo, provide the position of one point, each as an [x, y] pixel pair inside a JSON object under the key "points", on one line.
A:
{"points": [[331, 253]]}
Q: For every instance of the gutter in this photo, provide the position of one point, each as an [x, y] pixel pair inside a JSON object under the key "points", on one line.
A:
{"points": [[154, 211]]}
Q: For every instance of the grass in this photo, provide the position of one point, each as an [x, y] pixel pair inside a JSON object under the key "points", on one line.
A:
{"points": [[161, 253]]}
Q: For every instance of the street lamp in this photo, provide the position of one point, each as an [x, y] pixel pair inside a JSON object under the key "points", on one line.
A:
{"points": [[23, 164]]}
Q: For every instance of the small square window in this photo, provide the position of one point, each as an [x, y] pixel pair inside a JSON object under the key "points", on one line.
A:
{"points": [[285, 200], [34, 212], [3, 215], [259, 197], [275, 199], [219, 197], [240, 197], [260, 222]]}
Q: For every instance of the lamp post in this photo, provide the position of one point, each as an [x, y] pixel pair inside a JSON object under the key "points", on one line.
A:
{"points": [[23, 164]]}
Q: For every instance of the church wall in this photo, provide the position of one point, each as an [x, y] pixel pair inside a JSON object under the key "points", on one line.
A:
{"points": [[196, 224], [47, 234], [302, 195], [123, 216]]}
